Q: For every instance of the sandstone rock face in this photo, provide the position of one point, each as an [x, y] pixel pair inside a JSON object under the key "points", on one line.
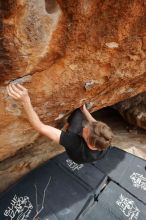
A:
{"points": [[133, 110], [66, 53]]}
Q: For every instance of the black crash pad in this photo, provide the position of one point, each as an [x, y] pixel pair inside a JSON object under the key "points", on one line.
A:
{"points": [[62, 196], [127, 170], [20, 195], [65, 197], [68, 190], [86, 174], [114, 203]]}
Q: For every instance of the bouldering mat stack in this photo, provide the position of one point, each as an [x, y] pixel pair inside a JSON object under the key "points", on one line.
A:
{"points": [[126, 170], [112, 188], [115, 203], [50, 192], [86, 174]]}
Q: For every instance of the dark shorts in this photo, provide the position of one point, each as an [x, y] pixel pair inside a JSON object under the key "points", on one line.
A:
{"points": [[75, 121]]}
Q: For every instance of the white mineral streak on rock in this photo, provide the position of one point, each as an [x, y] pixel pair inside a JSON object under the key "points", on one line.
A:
{"points": [[61, 115], [112, 45], [130, 90]]}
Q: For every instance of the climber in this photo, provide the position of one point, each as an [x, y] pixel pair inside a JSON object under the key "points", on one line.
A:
{"points": [[84, 138]]}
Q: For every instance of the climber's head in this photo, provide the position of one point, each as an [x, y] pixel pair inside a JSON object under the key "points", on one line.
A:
{"points": [[97, 135]]}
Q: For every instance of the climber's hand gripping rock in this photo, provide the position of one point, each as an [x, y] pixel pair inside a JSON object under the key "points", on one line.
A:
{"points": [[18, 92]]}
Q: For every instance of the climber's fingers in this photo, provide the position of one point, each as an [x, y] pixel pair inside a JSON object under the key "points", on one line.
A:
{"points": [[24, 91], [17, 96], [17, 92], [12, 90], [15, 89], [21, 87], [12, 93], [9, 93]]}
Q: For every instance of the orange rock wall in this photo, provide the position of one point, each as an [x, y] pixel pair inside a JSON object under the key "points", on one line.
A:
{"points": [[65, 53]]}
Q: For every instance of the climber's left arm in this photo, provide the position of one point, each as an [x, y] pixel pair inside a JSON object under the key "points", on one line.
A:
{"points": [[87, 114], [20, 93]]}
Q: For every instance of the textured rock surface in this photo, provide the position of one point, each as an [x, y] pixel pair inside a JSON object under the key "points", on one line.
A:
{"points": [[65, 53], [133, 110]]}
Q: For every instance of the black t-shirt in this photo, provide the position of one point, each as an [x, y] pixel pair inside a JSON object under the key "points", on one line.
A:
{"points": [[77, 148]]}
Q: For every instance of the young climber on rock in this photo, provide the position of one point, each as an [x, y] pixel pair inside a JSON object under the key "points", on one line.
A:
{"points": [[84, 138]]}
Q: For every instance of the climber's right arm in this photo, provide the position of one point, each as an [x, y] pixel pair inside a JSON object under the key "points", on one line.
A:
{"points": [[20, 93], [49, 131]]}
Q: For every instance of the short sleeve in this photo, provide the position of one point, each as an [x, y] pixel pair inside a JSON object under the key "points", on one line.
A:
{"points": [[69, 140]]}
